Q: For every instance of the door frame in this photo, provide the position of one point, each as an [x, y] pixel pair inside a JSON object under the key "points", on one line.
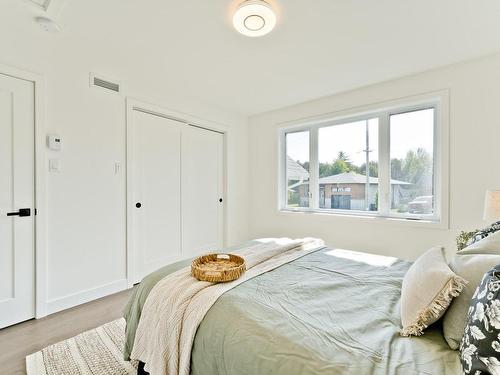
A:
{"points": [[40, 186], [155, 110]]}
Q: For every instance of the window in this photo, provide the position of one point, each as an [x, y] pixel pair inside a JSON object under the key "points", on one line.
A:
{"points": [[381, 163], [412, 162], [297, 169], [344, 151]]}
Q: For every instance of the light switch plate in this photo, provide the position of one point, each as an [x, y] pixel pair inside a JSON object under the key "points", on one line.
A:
{"points": [[118, 167], [54, 165]]}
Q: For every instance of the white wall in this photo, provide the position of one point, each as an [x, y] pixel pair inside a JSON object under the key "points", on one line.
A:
{"points": [[86, 200], [474, 89]]}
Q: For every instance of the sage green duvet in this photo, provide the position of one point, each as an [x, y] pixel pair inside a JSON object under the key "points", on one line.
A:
{"points": [[329, 312]]}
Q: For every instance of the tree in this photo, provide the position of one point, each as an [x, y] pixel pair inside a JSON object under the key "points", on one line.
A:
{"points": [[372, 168], [343, 156], [415, 168], [304, 165], [397, 169], [341, 164]]}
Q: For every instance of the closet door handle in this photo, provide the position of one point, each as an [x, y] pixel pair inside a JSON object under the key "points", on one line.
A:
{"points": [[138, 205], [23, 212]]}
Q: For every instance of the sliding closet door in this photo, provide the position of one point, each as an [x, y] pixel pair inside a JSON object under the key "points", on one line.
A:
{"points": [[202, 190], [155, 199]]}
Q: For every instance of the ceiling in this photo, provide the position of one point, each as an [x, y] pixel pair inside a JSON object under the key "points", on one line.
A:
{"points": [[318, 48]]}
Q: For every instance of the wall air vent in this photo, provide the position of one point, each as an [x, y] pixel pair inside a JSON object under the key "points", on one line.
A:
{"points": [[104, 83]]}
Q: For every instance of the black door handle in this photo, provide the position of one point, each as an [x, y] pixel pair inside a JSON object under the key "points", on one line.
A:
{"points": [[22, 212]]}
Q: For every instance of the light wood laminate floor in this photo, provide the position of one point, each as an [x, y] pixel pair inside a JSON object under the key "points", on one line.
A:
{"points": [[16, 342]]}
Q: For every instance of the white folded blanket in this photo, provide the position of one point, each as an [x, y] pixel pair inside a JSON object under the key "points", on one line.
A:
{"points": [[178, 303]]}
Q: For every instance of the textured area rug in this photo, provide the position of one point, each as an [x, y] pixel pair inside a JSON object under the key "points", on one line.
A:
{"points": [[95, 352]]}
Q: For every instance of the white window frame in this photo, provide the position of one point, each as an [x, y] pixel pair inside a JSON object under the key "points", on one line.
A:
{"points": [[439, 101]]}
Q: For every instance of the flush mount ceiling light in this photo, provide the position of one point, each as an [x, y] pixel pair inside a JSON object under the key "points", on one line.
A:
{"points": [[254, 18]]}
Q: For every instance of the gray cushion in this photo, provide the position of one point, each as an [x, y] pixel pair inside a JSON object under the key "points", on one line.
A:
{"points": [[471, 263]]}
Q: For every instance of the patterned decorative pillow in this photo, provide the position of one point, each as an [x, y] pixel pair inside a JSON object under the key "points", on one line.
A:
{"points": [[480, 346], [483, 233], [471, 263]]}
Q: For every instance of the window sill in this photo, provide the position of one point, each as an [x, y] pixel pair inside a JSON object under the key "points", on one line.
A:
{"points": [[376, 219]]}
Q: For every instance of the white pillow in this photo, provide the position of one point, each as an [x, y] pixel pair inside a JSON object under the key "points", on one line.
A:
{"points": [[427, 291]]}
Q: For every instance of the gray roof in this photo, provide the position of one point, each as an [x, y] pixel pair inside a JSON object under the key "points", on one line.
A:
{"points": [[354, 178], [295, 171]]}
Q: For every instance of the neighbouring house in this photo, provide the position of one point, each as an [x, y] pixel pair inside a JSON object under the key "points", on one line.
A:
{"points": [[295, 171], [347, 191], [344, 191], [298, 188]]}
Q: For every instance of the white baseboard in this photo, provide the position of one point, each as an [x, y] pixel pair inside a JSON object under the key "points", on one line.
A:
{"points": [[71, 300]]}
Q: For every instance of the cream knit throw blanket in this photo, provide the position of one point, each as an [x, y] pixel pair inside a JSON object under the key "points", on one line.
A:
{"points": [[176, 305]]}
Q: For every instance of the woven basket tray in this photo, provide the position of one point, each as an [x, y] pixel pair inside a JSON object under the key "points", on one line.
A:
{"points": [[218, 268]]}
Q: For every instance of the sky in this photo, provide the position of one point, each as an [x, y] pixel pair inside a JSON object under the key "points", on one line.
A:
{"points": [[409, 131]]}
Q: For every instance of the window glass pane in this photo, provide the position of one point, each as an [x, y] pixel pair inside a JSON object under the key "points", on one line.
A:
{"points": [[412, 165], [344, 152], [297, 169]]}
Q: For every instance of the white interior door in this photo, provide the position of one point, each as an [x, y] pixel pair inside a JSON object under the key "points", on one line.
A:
{"points": [[202, 190], [17, 296], [156, 191]]}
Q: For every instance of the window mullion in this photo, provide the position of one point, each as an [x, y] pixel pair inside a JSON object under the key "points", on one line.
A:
{"points": [[384, 174], [313, 169], [283, 191], [437, 166]]}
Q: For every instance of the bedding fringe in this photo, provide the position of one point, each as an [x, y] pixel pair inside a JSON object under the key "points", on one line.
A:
{"points": [[440, 303]]}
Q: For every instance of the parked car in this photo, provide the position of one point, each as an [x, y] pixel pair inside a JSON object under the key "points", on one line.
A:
{"points": [[421, 205]]}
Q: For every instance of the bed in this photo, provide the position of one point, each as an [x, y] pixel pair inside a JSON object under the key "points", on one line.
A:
{"points": [[332, 311]]}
